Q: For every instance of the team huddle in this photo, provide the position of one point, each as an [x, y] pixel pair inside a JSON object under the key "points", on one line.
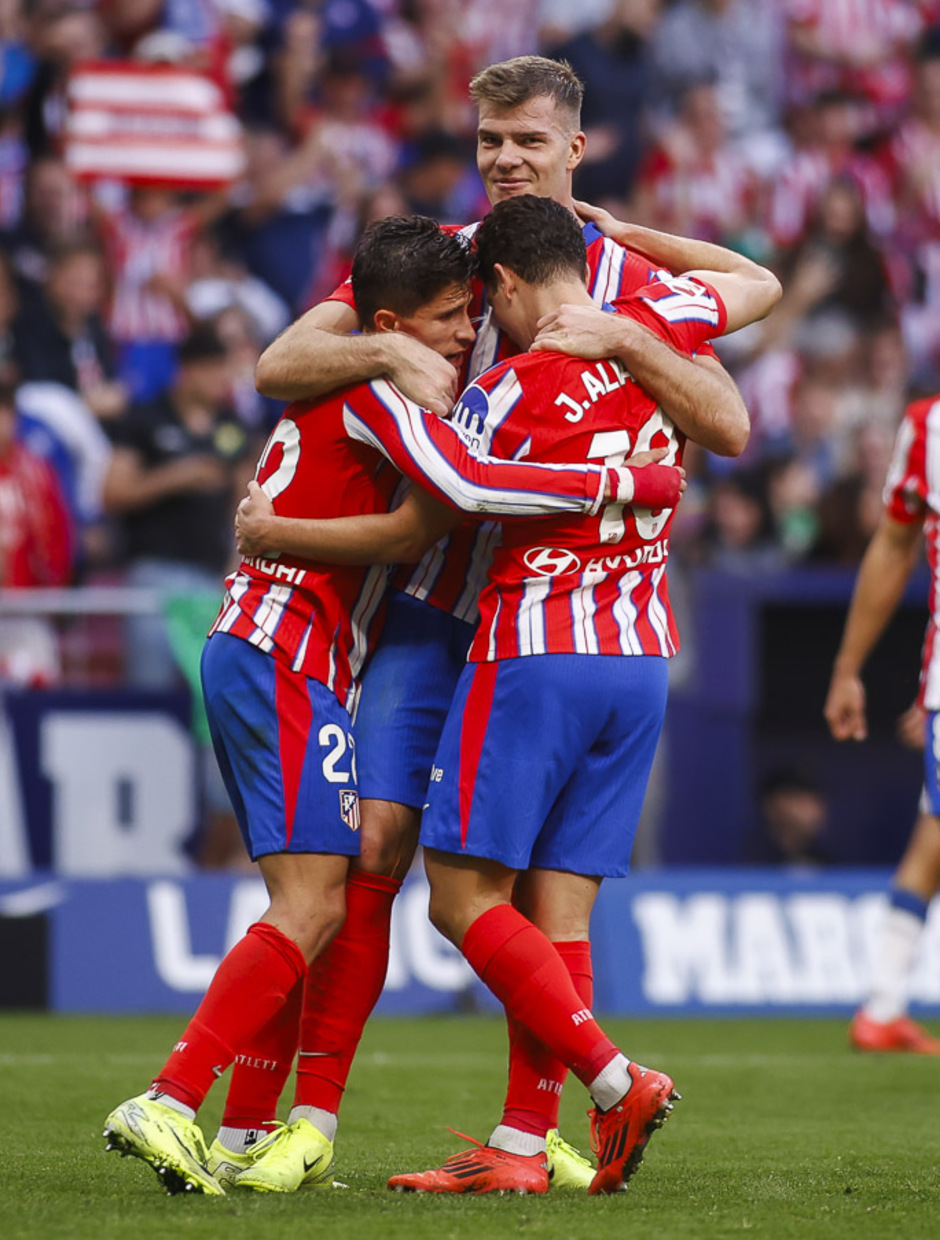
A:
{"points": [[485, 594]]}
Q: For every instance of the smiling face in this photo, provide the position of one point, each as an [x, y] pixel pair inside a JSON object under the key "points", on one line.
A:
{"points": [[443, 323], [530, 149]]}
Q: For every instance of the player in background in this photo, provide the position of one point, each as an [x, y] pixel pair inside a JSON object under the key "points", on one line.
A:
{"points": [[279, 675], [529, 142], [912, 507], [561, 902]]}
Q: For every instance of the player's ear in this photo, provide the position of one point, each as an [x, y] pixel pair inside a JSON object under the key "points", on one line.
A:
{"points": [[576, 145], [505, 280], [387, 321]]}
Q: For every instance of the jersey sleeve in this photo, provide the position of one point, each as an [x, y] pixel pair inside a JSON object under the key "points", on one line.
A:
{"points": [[906, 487], [343, 293], [429, 451], [684, 312]]}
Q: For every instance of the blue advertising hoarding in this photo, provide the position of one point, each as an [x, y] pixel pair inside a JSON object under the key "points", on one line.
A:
{"points": [[723, 942]]}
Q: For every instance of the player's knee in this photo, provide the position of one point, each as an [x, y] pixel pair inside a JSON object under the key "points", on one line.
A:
{"points": [[443, 917], [389, 838]]}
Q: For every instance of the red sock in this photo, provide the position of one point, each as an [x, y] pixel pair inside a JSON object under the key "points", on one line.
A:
{"points": [[260, 1071], [525, 972], [250, 985], [536, 1077], [342, 988]]}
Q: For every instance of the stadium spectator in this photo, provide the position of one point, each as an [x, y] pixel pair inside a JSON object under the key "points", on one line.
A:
{"points": [[738, 45], [147, 245], [857, 47], [793, 816], [59, 336], [693, 180], [613, 59], [54, 214], [36, 549], [179, 465]]}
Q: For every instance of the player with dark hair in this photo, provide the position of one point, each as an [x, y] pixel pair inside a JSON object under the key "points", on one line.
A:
{"points": [[531, 146], [280, 674], [562, 591]]}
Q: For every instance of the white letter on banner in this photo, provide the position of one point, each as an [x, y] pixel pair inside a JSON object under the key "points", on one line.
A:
{"points": [[684, 947], [91, 758], [173, 955], [761, 950], [249, 901], [828, 969], [14, 846], [434, 962], [396, 976]]}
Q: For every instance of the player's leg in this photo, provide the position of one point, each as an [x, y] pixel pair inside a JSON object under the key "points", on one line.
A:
{"points": [[283, 802], [485, 806], [882, 1023], [560, 905], [406, 693]]}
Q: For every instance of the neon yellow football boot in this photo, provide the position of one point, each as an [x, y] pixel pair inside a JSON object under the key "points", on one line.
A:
{"points": [[567, 1167], [169, 1142], [300, 1156]]}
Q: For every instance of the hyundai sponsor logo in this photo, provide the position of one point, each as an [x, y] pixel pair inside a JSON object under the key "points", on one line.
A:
{"points": [[551, 561]]}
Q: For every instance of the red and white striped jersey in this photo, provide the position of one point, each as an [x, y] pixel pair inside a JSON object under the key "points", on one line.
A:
{"points": [[452, 574], [138, 250], [801, 182], [915, 155], [912, 493], [847, 35], [329, 459], [596, 585]]}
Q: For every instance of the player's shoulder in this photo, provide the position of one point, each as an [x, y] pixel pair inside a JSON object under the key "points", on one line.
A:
{"points": [[924, 412]]}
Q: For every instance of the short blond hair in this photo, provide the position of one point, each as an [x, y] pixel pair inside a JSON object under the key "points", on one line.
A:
{"points": [[513, 82]]}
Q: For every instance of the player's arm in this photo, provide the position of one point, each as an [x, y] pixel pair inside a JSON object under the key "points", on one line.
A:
{"points": [[430, 452], [696, 398], [755, 290], [882, 578], [317, 354], [699, 395], [398, 537]]}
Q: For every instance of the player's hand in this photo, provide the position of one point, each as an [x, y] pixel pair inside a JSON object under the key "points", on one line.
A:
{"points": [[648, 486], [845, 708], [651, 456], [582, 331], [251, 521], [601, 219], [423, 375], [910, 727]]}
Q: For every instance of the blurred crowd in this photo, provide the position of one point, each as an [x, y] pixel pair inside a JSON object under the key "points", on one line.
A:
{"points": [[805, 133]]}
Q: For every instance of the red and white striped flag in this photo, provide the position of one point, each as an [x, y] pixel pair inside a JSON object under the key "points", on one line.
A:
{"points": [[151, 124]]}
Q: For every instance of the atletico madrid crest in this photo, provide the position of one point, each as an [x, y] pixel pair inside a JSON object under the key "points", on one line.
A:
{"points": [[349, 807]]}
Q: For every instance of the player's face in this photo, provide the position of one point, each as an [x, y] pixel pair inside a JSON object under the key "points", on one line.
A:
{"points": [[527, 150], [443, 324]]}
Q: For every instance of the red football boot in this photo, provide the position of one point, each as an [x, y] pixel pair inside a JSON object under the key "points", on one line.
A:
{"points": [[619, 1136], [481, 1170], [901, 1034]]}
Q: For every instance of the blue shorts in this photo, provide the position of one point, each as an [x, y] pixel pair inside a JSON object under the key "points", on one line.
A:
{"points": [[544, 761], [930, 797], [286, 751], [406, 692]]}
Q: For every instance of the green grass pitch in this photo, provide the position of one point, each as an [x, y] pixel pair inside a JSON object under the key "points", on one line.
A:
{"points": [[782, 1132]]}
